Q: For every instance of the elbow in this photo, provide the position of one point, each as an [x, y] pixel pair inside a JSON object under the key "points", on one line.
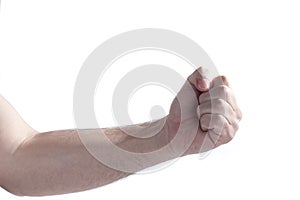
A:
{"points": [[7, 181]]}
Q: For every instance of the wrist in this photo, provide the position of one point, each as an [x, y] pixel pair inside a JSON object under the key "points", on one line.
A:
{"points": [[144, 138]]}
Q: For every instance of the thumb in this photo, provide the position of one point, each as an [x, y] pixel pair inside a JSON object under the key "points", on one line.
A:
{"points": [[202, 84], [199, 79]]}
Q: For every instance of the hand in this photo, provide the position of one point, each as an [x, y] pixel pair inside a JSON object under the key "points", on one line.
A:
{"points": [[207, 107]]}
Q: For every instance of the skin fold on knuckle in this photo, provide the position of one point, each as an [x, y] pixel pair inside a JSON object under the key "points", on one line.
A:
{"points": [[218, 106], [227, 133], [205, 122], [204, 97], [219, 121], [225, 92]]}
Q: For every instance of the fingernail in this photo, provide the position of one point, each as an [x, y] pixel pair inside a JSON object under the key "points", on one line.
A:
{"points": [[203, 83]]}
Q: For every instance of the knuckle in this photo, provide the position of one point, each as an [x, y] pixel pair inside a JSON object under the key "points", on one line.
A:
{"points": [[220, 120], [219, 123], [220, 104], [218, 81], [236, 126], [203, 119], [239, 114], [228, 133], [204, 122], [203, 97], [225, 92], [223, 88], [224, 80]]}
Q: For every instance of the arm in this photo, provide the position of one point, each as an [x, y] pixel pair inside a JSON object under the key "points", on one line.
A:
{"points": [[57, 162]]}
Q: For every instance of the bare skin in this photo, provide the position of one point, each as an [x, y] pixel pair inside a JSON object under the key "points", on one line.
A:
{"points": [[56, 162]]}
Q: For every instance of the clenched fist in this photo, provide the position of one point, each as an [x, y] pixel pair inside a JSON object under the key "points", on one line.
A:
{"points": [[205, 111]]}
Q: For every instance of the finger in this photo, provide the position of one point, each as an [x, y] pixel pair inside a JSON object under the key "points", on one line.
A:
{"points": [[199, 79], [218, 106], [219, 80], [219, 131], [211, 124], [223, 81], [212, 121], [223, 137], [220, 92], [226, 134]]}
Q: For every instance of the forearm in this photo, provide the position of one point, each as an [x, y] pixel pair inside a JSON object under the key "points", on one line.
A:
{"points": [[57, 162]]}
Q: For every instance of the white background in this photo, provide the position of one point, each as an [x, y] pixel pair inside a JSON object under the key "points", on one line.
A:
{"points": [[254, 43]]}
